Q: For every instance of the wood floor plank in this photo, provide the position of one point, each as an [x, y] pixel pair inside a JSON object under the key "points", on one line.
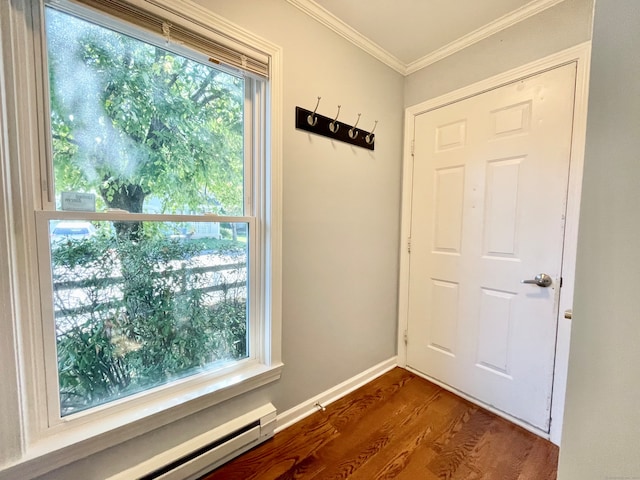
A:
{"points": [[351, 409], [541, 463], [362, 440], [398, 426], [415, 464], [453, 449], [501, 452], [369, 439], [283, 453], [420, 430]]}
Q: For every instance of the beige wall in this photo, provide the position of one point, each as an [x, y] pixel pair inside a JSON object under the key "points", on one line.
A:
{"points": [[601, 434], [341, 219], [555, 29], [341, 203]]}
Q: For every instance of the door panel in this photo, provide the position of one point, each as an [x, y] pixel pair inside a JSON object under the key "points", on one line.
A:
{"points": [[488, 203], [449, 190]]}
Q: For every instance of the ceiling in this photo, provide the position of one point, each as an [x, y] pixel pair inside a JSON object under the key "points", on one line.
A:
{"points": [[410, 34]]}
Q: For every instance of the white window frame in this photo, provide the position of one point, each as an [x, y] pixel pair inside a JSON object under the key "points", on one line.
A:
{"points": [[35, 441]]}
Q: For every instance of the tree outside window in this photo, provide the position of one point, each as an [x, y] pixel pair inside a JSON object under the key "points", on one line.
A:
{"points": [[142, 302]]}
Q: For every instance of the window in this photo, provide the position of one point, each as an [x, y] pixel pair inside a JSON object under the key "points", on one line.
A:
{"points": [[137, 128], [155, 241]]}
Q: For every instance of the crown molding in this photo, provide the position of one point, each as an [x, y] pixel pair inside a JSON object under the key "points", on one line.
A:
{"points": [[332, 22]]}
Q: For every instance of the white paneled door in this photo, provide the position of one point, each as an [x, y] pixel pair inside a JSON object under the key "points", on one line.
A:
{"points": [[488, 206]]}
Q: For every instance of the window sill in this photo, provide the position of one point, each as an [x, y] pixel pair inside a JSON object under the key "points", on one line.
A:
{"points": [[71, 445]]}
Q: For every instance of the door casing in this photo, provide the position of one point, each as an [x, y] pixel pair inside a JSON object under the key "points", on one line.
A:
{"points": [[580, 55]]}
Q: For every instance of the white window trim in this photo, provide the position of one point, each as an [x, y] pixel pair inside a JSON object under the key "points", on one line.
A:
{"points": [[26, 453], [10, 411]]}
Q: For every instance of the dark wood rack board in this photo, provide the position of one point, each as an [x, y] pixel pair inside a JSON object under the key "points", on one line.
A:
{"points": [[321, 127]]}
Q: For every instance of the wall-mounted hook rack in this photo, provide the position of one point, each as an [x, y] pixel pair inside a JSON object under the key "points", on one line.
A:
{"points": [[332, 128]]}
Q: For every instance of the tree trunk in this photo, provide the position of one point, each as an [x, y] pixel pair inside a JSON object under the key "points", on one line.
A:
{"points": [[127, 197]]}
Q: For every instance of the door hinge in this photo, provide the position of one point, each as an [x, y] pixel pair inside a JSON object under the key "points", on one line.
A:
{"points": [[409, 245], [413, 147], [560, 282], [406, 337]]}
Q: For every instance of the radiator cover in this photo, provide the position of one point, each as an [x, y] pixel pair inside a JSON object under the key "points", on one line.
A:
{"points": [[198, 456]]}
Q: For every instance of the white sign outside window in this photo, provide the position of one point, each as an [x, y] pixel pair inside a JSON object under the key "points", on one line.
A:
{"points": [[78, 202]]}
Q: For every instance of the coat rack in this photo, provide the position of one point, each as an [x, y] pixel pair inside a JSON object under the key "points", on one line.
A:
{"points": [[313, 122]]}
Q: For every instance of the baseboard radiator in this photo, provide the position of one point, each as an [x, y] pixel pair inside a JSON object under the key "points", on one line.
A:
{"points": [[200, 455]]}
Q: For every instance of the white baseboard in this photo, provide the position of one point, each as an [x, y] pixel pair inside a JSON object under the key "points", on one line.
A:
{"points": [[306, 408]]}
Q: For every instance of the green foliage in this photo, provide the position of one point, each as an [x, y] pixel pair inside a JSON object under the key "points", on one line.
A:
{"points": [[131, 120], [147, 317]]}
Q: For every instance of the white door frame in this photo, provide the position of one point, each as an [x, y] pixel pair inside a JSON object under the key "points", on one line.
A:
{"points": [[580, 55]]}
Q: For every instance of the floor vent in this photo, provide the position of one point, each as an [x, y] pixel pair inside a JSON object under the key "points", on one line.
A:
{"points": [[205, 452]]}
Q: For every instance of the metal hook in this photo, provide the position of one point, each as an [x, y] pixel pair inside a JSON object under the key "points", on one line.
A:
{"points": [[333, 126], [352, 131], [312, 119], [370, 136]]}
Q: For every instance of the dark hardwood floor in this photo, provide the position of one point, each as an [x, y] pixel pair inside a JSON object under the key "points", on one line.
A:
{"points": [[398, 426]]}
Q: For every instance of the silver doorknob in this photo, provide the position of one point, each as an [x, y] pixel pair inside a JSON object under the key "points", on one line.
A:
{"points": [[542, 280]]}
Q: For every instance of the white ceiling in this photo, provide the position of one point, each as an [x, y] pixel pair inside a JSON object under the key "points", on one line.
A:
{"points": [[410, 34]]}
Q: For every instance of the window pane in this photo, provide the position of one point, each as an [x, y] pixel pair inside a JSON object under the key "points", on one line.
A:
{"points": [[138, 128], [135, 312]]}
